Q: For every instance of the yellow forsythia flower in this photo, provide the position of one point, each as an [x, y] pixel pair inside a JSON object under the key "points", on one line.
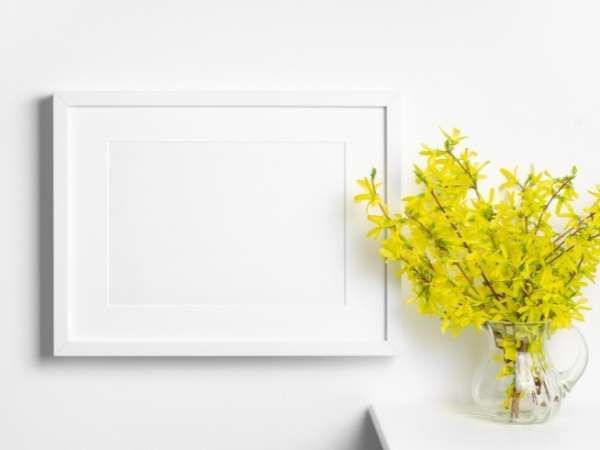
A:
{"points": [[472, 257]]}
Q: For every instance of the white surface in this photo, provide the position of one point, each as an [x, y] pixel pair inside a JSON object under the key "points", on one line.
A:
{"points": [[448, 427], [217, 224], [520, 77], [187, 218]]}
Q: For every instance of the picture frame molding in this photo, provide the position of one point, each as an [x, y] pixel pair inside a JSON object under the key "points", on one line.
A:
{"points": [[66, 345]]}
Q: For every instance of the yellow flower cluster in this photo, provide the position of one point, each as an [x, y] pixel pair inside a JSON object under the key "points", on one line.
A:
{"points": [[523, 256]]}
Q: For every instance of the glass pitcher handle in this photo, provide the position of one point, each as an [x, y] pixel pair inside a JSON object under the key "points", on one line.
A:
{"points": [[569, 377]]}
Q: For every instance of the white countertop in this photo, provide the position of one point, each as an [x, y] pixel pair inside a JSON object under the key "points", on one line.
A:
{"points": [[432, 426]]}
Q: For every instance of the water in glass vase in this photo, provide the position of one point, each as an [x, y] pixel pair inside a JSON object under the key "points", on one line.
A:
{"points": [[516, 381]]}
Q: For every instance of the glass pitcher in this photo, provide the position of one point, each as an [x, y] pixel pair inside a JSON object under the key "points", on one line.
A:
{"points": [[516, 381]]}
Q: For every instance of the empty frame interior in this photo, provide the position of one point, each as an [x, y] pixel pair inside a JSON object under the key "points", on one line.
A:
{"points": [[216, 228]]}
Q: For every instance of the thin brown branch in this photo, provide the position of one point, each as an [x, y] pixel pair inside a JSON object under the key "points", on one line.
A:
{"points": [[428, 262], [573, 230], [464, 243], [549, 202], [467, 171], [561, 253], [452, 224], [421, 225], [558, 246], [560, 242], [576, 272], [415, 270], [489, 284], [383, 211], [523, 187], [468, 278]]}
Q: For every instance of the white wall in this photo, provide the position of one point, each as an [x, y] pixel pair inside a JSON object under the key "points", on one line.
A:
{"points": [[520, 77]]}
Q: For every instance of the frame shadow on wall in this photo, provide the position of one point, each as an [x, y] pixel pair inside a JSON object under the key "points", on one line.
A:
{"points": [[45, 226]]}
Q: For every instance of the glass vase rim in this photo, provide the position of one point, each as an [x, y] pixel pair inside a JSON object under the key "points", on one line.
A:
{"points": [[510, 322]]}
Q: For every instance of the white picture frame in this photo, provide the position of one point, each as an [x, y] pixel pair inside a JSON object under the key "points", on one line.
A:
{"points": [[141, 269]]}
